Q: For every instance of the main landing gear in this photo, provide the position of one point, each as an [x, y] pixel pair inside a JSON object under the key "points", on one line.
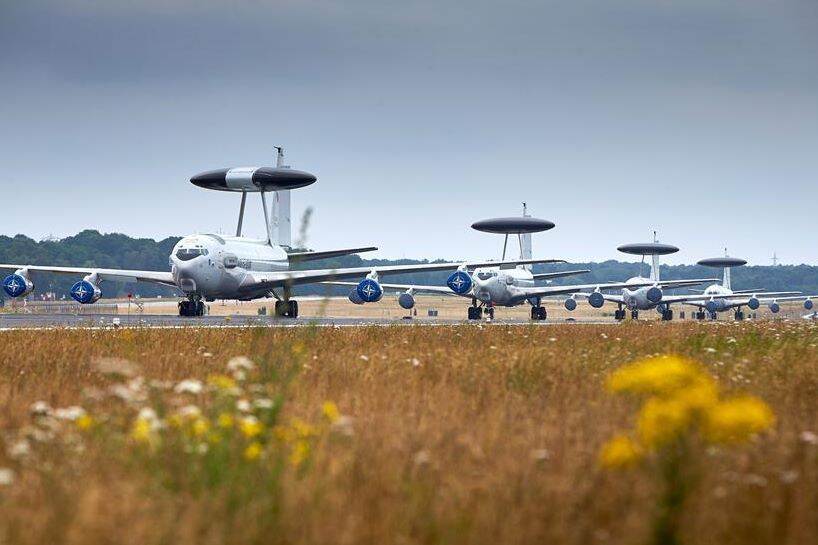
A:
{"points": [[476, 312], [739, 315], [635, 314], [191, 308], [286, 309], [667, 315], [619, 314], [538, 313]]}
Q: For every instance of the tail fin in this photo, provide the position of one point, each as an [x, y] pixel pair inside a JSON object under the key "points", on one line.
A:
{"points": [[282, 221], [654, 263], [525, 242]]}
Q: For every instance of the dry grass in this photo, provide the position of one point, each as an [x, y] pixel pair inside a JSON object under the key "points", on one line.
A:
{"points": [[462, 434]]}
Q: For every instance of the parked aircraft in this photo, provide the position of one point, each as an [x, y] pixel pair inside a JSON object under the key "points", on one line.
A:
{"points": [[719, 298], [506, 286], [208, 266], [639, 293]]}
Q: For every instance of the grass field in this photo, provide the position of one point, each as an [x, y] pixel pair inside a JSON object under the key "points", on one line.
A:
{"points": [[462, 434]]}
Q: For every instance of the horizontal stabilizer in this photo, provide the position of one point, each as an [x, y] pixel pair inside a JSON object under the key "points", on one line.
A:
{"points": [[298, 257]]}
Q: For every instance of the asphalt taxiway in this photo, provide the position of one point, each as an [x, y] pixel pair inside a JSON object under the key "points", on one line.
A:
{"points": [[37, 321]]}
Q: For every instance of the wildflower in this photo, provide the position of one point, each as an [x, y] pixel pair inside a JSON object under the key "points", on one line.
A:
{"points": [[69, 413], [364, 357], [243, 405], [19, 449], [660, 375], [118, 367], [188, 386], [808, 437], [253, 451], [190, 411], [737, 420], [343, 426], [6, 476], [330, 411], [250, 426], [263, 403], [540, 454], [660, 421], [620, 452], [240, 363], [225, 420], [300, 453], [39, 408], [222, 382], [85, 422], [142, 431], [422, 457], [199, 427]]}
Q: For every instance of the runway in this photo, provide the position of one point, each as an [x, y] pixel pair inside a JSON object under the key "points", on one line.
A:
{"points": [[105, 321]]}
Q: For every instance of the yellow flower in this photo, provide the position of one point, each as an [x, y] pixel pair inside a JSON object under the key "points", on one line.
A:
{"points": [[199, 427], [142, 431], [253, 451], [620, 452], [214, 437], [737, 420], [662, 375], [660, 421], [85, 422], [250, 426], [225, 420], [222, 382], [331, 412], [300, 453], [302, 429], [175, 421]]}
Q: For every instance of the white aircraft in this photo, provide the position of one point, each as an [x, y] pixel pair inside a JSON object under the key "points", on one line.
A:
{"points": [[207, 267], [640, 293], [719, 298], [503, 285]]}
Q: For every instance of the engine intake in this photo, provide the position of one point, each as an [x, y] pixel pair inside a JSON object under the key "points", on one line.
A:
{"points": [[84, 292], [774, 307], [570, 304], [654, 294], [460, 282], [406, 300], [370, 291], [17, 285], [808, 304], [354, 297], [753, 303], [596, 300]]}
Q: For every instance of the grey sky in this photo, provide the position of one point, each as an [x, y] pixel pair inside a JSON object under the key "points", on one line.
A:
{"points": [[611, 118]]}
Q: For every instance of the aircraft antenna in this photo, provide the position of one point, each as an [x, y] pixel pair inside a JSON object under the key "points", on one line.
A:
{"points": [[775, 259]]}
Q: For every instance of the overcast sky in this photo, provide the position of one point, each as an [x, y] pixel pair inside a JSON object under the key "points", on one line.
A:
{"points": [[609, 117]]}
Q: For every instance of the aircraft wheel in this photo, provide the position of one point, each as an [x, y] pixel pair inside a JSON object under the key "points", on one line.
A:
{"points": [[490, 312], [474, 313], [199, 308], [634, 314], [619, 314], [667, 315], [280, 309], [739, 316], [292, 309]]}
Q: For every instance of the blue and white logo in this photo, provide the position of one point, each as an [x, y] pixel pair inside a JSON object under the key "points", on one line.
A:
{"points": [[14, 285], [459, 282], [83, 292], [369, 290]]}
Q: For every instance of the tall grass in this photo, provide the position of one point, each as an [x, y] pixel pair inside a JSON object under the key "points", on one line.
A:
{"points": [[462, 434]]}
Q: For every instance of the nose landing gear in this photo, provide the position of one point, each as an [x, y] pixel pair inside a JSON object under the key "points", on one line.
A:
{"points": [[739, 315], [619, 314], [635, 314], [538, 313]]}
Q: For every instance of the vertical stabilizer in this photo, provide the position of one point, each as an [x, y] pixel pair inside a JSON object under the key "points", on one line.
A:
{"points": [[282, 221], [525, 241], [654, 263], [725, 282]]}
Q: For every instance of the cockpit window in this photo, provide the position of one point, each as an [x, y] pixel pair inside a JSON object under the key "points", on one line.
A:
{"points": [[186, 254], [485, 275]]}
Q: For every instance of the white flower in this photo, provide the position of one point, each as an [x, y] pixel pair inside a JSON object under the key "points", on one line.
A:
{"points": [[188, 386], [146, 413], [540, 454], [710, 350], [69, 413], [243, 405], [422, 457], [263, 403], [364, 357], [6, 476], [19, 449], [415, 362], [39, 408], [240, 363], [809, 437], [190, 411]]}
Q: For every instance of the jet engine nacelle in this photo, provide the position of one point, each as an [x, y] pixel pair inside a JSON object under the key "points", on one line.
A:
{"points": [[460, 282], [85, 292], [596, 300], [753, 303], [17, 285], [654, 294], [774, 307], [354, 297], [406, 300], [570, 304], [808, 304], [369, 290]]}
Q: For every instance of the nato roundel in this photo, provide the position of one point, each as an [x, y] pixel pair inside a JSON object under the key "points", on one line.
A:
{"points": [[459, 282], [722, 262], [648, 248], [83, 292], [14, 285], [369, 290], [512, 226]]}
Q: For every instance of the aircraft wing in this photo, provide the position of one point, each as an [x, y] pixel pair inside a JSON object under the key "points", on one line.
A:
{"points": [[684, 283], [437, 290], [114, 275], [548, 276], [545, 291], [298, 257]]}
